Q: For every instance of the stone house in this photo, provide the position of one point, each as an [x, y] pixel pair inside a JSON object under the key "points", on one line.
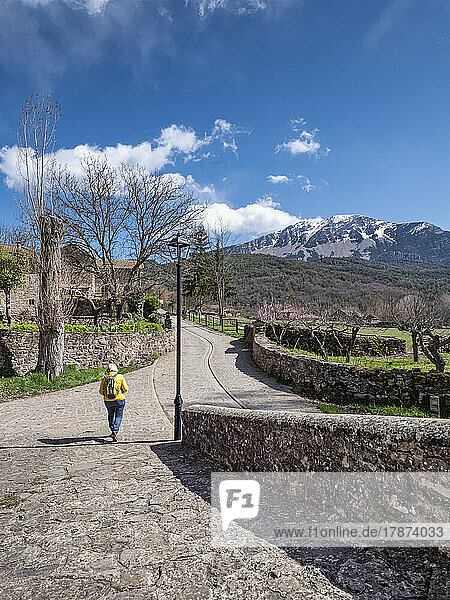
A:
{"points": [[78, 282]]}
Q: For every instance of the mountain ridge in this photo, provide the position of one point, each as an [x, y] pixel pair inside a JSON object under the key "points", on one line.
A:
{"points": [[353, 236]]}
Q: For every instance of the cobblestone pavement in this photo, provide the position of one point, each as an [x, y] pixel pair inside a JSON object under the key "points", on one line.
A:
{"points": [[218, 369], [123, 521], [88, 519]]}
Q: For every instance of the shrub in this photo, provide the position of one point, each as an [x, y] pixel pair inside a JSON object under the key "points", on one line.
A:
{"points": [[151, 305], [140, 326], [25, 327]]}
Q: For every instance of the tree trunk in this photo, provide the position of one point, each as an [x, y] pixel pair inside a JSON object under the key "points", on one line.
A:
{"points": [[351, 344], [120, 309], [50, 314], [415, 346], [431, 351], [8, 307]]}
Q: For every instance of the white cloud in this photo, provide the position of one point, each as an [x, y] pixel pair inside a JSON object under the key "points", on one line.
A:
{"points": [[204, 7], [181, 138], [203, 193], [227, 132], [305, 143], [305, 183], [173, 142], [278, 179], [385, 22], [262, 216], [233, 6], [90, 6]]}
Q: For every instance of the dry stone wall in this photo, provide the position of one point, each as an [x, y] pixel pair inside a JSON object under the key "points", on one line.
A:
{"points": [[347, 384], [367, 345], [19, 349], [249, 440]]}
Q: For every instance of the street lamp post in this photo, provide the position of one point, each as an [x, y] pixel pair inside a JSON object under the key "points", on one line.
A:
{"points": [[178, 244]]}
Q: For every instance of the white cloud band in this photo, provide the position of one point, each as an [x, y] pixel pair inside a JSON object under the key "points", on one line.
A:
{"points": [[173, 142], [257, 218]]}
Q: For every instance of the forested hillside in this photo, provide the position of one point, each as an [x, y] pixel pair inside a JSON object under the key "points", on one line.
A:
{"points": [[345, 281]]}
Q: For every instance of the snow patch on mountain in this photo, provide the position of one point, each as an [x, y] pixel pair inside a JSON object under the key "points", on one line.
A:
{"points": [[344, 236]]}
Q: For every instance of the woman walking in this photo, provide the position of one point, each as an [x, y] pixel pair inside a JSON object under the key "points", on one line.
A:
{"points": [[113, 389]]}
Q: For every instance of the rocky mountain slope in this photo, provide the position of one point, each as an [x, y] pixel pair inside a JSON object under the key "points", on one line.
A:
{"points": [[353, 236]]}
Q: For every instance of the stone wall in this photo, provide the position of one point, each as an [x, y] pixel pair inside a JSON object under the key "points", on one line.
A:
{"points": [[24, 300], [347, 384], [19, 349], [248, 440], [335, 344]]}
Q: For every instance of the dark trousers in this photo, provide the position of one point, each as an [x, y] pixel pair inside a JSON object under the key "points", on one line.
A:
{"points": [[115, 413]]}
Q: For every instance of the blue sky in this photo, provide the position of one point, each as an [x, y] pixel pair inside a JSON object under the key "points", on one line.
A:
{"points": [[273, 110]]}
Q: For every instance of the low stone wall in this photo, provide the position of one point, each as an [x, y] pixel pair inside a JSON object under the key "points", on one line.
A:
{"points": [[365, 345], [249, 440], [19, 349], [347, 384]]}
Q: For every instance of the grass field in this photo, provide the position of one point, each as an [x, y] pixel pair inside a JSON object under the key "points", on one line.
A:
{"points": [[229, 325], [36, 383], [391, 332], [383, 363], [392, 411]]}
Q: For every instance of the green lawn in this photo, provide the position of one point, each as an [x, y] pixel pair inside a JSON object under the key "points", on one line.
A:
{"points": [[383, 363], [228, 328], [392, 411], [37, 383], [392, 332]]}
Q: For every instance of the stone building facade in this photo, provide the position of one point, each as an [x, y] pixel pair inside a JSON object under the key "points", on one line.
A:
{"points": [[78, 281]]}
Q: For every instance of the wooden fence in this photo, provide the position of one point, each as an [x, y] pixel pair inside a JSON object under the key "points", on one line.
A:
{"points": [[226, 324]]}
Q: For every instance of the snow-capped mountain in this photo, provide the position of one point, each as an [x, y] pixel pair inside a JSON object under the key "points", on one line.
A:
{"points": [[353, 236]]}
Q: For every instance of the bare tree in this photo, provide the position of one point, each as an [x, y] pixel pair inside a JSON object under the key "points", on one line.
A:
{"points": [[219, 273], [281, 316], [36, 137], [111, 215], [421, 315], [20, 237], [412, 313]]}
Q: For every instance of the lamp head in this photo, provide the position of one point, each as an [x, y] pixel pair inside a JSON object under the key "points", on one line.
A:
{"points": [[178, 244]]}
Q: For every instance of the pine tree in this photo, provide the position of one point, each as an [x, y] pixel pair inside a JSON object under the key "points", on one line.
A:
{"points": [[197, 281]]}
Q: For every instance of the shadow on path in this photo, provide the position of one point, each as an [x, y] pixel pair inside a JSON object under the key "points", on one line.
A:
{"points": [[75, 440], [365, 573], [80, 441], [245, 364]]}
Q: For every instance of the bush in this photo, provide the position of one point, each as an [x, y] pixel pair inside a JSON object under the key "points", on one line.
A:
{"points": [[140, 326], [151, 305], [25, 327]]}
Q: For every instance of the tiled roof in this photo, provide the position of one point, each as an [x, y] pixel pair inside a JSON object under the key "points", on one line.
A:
{"points": [[121, 264]]}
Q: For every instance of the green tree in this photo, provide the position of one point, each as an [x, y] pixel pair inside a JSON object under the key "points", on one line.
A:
{"points": [[198, 277], [13, 266], [151, 305]]}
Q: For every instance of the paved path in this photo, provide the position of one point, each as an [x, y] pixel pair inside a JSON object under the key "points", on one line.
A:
{"points": [[218, 369], [126, 521], [130, 521]]}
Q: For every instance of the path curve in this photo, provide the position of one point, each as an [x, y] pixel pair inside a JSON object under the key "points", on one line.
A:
{"points": [[218, 370]]}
